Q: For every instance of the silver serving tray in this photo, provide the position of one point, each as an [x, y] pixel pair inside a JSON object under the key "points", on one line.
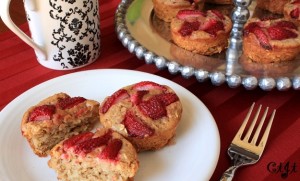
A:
{"points": [[148, 38]]}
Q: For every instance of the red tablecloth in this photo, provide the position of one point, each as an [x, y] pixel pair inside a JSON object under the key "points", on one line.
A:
{"points": [[19, 71]]}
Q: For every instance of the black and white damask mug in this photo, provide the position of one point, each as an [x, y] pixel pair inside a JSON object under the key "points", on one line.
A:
{"points": [[65, 34]]}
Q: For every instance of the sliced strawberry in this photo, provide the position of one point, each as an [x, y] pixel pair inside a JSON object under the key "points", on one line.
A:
{"points": [[212, 26], [187, 28], [69, 102], [262, 38], [41, 113], [187, 14], [112, 149], [250, 28], [147, 85], [153, 108], [285, 24], [135, 127], [137, 97], [167, 98], [89, 145], [278, 33], [113, 99], [76, 139], [296, 2], [295, 13], [218, 14]]}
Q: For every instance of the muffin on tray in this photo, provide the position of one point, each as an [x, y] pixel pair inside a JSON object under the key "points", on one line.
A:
{"points": [[167, 9], [146, 113], [274, 6], [56, 118], [291, 11], [200, 32], [104, 156], [271, 40]]}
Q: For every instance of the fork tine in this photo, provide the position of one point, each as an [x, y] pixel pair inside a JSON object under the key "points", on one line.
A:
{"points": [[241, 130], [246, 138], [255, 137], [264, 139]]}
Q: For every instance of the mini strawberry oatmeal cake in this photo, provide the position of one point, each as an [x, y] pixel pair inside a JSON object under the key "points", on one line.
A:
{"points": [[291, 11], [104, 156], [200, 32], [56, 118], [146, 113], [271, 40], [274, 6], [167, 9]]}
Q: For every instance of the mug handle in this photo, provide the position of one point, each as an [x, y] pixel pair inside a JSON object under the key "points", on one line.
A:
{"points": [[5, 16]]}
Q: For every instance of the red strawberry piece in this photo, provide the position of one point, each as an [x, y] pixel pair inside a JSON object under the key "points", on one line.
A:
{"points": [[70, 102], [137, 97], [250, 28], [296, 2], [89, 145], [153, 108], [147, 85], [167, 98], [41, 113], [187, 28], [262, 38], [187, 14], [295, 13], [113, 99], [278, 33], [135, 127], [76, 139], [112, 149], [218, 14], [286, 24], [212, 26]]}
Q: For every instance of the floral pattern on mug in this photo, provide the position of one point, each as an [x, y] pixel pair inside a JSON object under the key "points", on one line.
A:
{"points": [[76, 24]]}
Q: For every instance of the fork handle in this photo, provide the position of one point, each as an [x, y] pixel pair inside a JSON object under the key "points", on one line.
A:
{"points": [[229, 173]]}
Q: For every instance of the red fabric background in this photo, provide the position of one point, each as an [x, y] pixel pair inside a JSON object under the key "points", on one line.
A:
{"points": [[19, 71]]}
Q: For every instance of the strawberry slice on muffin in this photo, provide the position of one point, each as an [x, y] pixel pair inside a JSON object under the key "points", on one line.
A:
{"points": [[291, 11]]}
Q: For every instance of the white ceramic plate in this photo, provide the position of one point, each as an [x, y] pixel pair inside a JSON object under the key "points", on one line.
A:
{"points": [[193, 156]]}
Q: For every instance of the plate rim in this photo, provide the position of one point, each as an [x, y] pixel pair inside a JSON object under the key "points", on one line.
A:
{"points": [[14, 103]]}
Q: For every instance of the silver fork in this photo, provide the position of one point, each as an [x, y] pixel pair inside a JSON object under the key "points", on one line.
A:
{"points": [[244, 151]]}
